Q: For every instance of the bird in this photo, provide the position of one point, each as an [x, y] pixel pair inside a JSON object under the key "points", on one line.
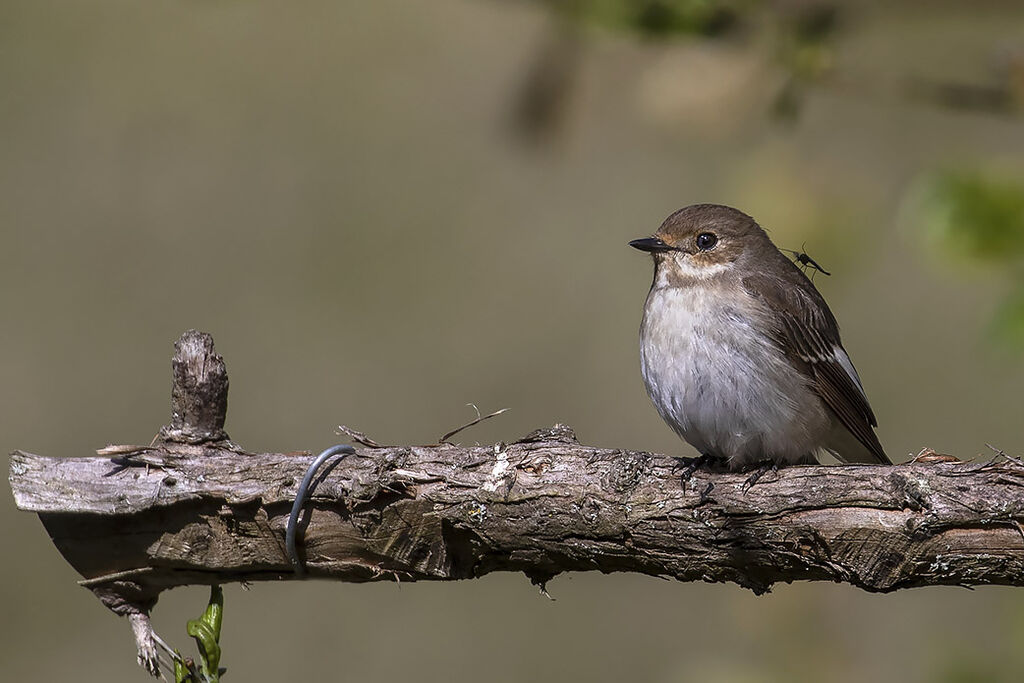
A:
{"points": [[739, 352]]}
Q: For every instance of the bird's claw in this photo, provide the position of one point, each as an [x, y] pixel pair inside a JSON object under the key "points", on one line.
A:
{"points": [[687, 471], [759, 470]]}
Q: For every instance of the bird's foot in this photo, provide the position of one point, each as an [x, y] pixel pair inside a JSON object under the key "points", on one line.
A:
{"points": [[757, 471], [689, 466]]}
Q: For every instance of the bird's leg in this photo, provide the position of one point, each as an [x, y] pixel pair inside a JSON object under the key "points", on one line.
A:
{"points": [[757, 471]]}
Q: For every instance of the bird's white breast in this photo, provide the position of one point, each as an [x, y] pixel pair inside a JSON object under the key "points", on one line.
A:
{"points": [[720, 382]]}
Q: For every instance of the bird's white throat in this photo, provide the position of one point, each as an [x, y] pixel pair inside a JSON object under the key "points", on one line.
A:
{"points": [[681, 266]]}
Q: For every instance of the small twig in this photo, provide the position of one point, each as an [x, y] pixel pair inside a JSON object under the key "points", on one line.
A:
{"points": [[124, 450], [116, 576], [170, 651], [359, 437], [1001, 453], [929, 455], [478, 420]]}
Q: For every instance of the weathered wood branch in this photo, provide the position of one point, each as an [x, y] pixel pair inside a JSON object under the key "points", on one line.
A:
{"points": [[200, 514], [195, 508]]}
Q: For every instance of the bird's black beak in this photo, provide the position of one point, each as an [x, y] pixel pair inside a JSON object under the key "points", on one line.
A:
{"points": [[651, 244]]}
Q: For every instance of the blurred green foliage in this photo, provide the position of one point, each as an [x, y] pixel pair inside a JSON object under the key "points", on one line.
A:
{"points": [[806, 53], [663, 18], [980, 218], [977, 216], [801, 34]]}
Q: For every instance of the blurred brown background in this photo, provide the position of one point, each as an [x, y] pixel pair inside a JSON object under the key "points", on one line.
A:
{"points": [[384, 211]]}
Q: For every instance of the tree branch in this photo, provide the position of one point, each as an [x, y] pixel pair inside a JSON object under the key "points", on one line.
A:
{"points": [[195, 509], [187, 514]]}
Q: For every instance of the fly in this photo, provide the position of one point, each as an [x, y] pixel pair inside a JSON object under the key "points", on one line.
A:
{"points": [[806, 261]]}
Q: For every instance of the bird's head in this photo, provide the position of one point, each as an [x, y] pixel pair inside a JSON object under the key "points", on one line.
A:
{"points": [[701, 241]]}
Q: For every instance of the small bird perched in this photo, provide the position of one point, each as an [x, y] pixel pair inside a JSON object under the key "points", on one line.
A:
{"points": [[740, 353]]}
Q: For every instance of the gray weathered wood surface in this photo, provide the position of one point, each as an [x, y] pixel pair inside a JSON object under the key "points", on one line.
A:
{"points": [[182, 514]]}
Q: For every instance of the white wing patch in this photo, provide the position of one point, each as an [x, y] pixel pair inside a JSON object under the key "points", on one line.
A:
{"points": [[844, 361]]}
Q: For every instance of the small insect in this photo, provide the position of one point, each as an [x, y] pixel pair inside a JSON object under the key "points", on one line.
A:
{"points": [[806, 261]]}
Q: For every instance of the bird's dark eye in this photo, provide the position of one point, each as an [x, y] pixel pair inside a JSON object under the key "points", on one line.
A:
{"points": [[706, 240]]}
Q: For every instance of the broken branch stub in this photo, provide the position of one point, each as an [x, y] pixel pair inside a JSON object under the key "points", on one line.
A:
{"points": [[199, 392]]}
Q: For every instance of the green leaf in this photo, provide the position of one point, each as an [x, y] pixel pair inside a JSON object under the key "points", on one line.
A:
{"points": [[206, 631]]}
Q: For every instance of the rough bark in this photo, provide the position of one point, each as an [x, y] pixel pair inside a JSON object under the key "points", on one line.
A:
{"points": [[195, 508], [184, 514]]}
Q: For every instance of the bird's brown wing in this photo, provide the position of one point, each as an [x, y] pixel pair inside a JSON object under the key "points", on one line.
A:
{"points": [[807, 332]]}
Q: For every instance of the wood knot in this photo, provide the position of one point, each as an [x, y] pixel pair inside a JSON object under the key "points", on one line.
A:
{"points": [[559, 433], [625, 470], [537, 465], [393, 459], [913, 492]]}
